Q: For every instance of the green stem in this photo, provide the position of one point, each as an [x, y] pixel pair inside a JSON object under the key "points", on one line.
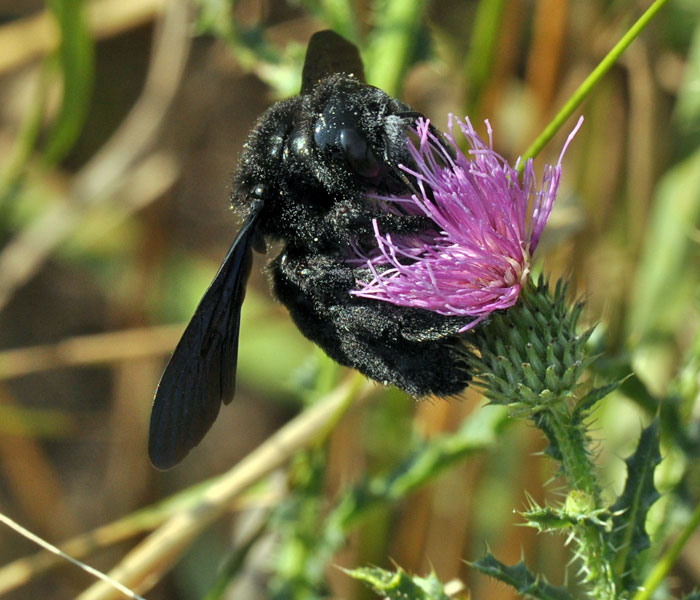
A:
{"points": [[487, 24], [598, 560], [575, 458], [585, 88], [392, 42], [663, 566], [341, 17], [26, 139], [593, 549], [76, 53]]}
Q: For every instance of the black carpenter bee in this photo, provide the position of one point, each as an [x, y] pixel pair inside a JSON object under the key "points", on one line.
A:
{"points": [[303, 179]]}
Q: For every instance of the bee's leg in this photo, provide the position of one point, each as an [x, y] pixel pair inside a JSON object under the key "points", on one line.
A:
{"points": [[407, 224], [346, 223], [367, 334]]}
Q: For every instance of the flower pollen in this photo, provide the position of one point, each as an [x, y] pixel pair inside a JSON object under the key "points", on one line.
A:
{"points": [[487, 223]]}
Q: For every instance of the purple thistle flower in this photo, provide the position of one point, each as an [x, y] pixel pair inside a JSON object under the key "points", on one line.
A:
{"points": [[487, 225]]}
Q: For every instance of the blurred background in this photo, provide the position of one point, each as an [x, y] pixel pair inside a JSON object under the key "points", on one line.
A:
{"points": [[120, 125]]}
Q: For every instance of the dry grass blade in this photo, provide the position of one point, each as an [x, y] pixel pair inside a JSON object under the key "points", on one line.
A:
{"points": [[23, 570], [27, 39], [114, 585], [97, 181], [146, 563], [90, 349]]}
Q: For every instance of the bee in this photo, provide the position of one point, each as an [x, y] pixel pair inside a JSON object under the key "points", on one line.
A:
{"points": [[303, 179]]}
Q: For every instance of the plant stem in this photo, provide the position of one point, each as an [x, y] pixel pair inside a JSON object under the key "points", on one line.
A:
{"points": [[485, 38], [575, 458], [342, 17], [392, 42], [143, 566], [585, 88], [663, 566], [29, 132]]}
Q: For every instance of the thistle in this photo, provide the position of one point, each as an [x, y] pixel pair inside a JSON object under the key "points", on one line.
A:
{"points": [[523, 345], [487, 225]]}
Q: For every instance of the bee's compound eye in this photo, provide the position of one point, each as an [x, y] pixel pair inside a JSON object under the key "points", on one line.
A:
{"points": [[358, 153], [325, 133]]}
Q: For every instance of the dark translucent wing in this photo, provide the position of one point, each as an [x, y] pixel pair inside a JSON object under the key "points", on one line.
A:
{"points": [[329, 53], [202, 370]]}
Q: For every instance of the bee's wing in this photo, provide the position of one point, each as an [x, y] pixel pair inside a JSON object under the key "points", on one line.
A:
{"points": [[202, 370], [329, 53]]}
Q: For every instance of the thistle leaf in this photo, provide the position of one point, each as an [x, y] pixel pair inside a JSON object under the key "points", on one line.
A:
{"points": [[585, 404], [629, 536], [521, 578], [548, 519], [400, 585]]}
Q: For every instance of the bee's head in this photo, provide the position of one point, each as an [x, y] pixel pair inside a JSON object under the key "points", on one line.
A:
{"points": [[360, 133], [334, 144]]}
